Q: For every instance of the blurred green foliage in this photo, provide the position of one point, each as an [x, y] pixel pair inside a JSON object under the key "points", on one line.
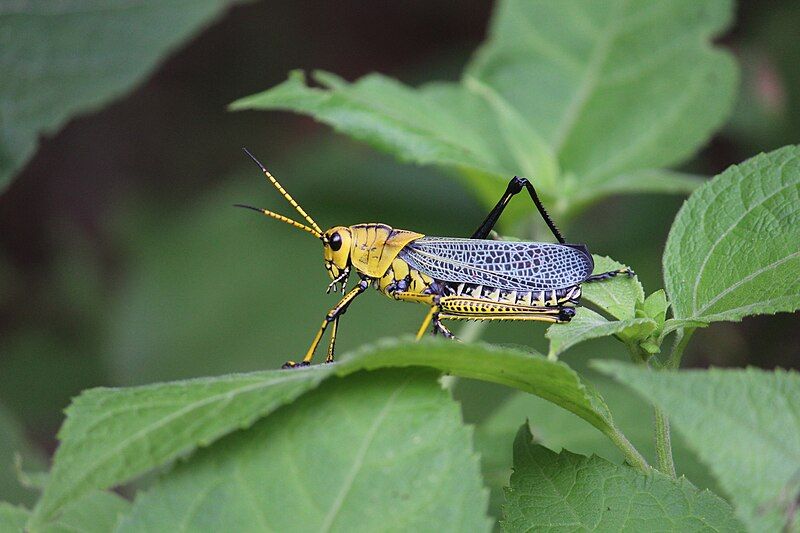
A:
{"points": [[48, 81]]}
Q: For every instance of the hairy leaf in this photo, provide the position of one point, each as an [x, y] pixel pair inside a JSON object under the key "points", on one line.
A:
{"points": [[733, 249], [568, 492], [742, 423], [113, 435], [588, 98], [655, 306], [370, 452], [589, 325], [60, 59]]}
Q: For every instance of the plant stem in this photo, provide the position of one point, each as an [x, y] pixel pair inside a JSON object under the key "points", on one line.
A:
{"points": [[666, 464], [681, 340], [664, 444], [632, 455]]}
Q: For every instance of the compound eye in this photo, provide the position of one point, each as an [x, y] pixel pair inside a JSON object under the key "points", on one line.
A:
{"points": [[336, 242]]}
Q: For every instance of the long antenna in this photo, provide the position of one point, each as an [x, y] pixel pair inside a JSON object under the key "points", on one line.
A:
{"points": [[285, 194], [312, 231]]}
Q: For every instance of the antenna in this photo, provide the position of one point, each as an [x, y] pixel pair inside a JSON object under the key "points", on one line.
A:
{"points": [[312, 231], [288, 198]]}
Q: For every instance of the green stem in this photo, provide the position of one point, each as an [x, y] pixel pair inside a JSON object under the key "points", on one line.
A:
{"points": [[666, 464], [664, 444], [681, 340], [632, 455]]}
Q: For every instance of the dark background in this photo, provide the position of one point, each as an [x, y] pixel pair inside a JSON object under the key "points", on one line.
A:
{"points": [[122, 262]]}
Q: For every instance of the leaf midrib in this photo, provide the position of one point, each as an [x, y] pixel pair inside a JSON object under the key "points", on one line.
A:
{"points": [[591, 78], [358, 463]]}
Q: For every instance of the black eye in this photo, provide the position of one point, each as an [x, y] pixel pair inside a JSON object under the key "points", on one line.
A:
{"points": [[336, 242]]}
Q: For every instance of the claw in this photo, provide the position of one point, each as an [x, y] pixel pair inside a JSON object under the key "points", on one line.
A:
{"points": [[292, 364], [341, 278]]}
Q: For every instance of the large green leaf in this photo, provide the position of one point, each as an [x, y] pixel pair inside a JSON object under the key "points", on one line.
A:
{"points": [[742, 423], [612, 86], [60, 59], [557, 429], [372, 452], [587, 97], [733, 249], [113, 435], [569, 492]]}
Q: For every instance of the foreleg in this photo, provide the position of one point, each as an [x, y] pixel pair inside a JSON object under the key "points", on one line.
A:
{"points": [[332, 316]]}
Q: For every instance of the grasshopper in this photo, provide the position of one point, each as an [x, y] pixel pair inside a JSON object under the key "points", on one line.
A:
{"points": [[459, 279]]}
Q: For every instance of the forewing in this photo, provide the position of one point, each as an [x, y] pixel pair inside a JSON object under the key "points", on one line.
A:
{"points": [[517, 266]]}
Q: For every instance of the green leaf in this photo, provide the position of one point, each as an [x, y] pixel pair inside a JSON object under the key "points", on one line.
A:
{"points": [[673, 324], [567, 492], [742, 423], [733, 248], [655, 306], [589, 99], [613, 86], [652, 180], [96, 512], [13, 518], [59, 60], [113, 435], [618, 296], [371, 452], [422, 126], [589, 325]]}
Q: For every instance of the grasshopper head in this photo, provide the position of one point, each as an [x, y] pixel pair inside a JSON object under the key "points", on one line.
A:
{"points": [[336, 250]]}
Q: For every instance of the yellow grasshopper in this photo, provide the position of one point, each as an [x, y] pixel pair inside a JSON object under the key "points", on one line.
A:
{"points": [[460, 279]]}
